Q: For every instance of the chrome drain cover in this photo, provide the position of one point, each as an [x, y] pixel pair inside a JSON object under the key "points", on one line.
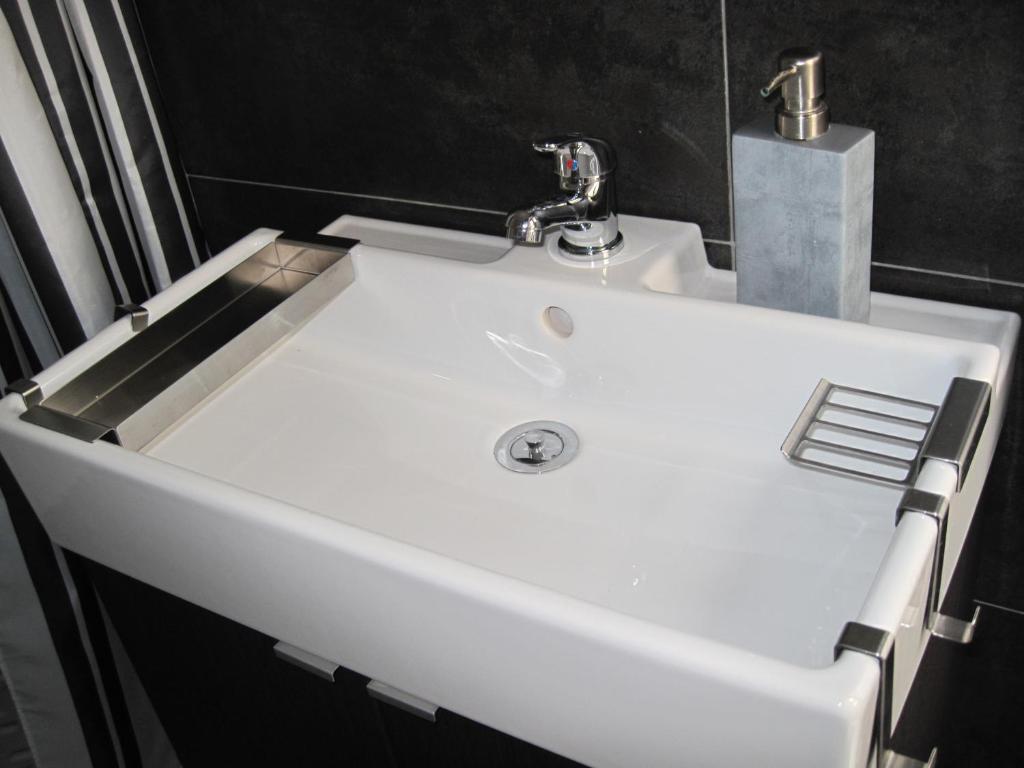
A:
{"points": [[536, 446]]}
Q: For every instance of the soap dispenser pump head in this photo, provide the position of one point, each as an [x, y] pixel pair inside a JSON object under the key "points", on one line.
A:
{"points": [[802, 113]]}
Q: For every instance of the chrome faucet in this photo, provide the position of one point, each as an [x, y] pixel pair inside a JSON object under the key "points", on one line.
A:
{"points": [[587, 212]]}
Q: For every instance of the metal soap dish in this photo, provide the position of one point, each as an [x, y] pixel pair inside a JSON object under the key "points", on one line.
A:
{"points": [[883, 438]]}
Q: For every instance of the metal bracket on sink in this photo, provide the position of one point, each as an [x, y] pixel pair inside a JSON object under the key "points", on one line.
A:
{"points": [[29, 390], [885, 439], [304, 660], [940, 625], [877, 643], [958, 426], [138, 313], [327, 669], [402, 700]]}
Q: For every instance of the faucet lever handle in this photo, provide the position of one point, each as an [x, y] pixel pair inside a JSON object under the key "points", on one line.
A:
{"points": [[555, 143], [578, 157]]}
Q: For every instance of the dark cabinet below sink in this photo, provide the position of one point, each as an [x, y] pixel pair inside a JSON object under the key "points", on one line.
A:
{"points": [[226, 700]]}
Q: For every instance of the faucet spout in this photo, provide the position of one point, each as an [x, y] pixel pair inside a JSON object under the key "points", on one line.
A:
{"points": [[527, 225], [586, 209]]}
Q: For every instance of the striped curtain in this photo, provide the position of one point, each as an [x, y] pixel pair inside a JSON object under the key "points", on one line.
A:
{"points": [[95, 210]]}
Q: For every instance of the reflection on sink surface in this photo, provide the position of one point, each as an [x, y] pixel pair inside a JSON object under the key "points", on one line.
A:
{"points": [[674, 593]]}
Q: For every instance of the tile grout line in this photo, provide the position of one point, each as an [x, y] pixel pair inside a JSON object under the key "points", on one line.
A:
{"points": [[941, 273], [339, 193], [728, 136], [999, 607], [730, 243]]}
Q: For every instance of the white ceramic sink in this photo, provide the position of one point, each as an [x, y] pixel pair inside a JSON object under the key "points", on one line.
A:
{"points": [[670, 597]]}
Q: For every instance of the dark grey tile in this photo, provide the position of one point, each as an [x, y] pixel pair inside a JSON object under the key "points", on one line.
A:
{"points": [[940, 83], [947, 287], [936, 698], [980, 729], [965, 699], [719, 255], [1001, 570], [230, 210], [439, 101]]}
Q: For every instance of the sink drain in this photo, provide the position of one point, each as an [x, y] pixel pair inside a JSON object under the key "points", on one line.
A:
{"points": [[536, 446]]}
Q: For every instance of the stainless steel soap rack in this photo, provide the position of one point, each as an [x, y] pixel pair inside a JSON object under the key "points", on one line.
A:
{"points": [[882, 438], [886, 439], [169, 366]]}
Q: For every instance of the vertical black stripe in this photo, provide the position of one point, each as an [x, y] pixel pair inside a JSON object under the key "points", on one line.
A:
{"points": [[19, 30], [11, 365], [60, 619], [21, 336], [98, 637], [39, 264], [142, 138], [33, 327], [137, 38], [14, 357], [61, 58]]}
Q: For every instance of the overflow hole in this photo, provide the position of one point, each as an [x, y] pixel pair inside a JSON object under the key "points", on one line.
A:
{"points": [[559, 322]]}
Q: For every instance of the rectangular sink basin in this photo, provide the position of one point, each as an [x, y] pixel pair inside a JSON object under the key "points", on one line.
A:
{"points": [[672, 595]]}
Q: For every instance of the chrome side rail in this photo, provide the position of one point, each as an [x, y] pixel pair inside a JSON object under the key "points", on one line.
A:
{"points": [[877, 643], [936, 507], [169, 366]]}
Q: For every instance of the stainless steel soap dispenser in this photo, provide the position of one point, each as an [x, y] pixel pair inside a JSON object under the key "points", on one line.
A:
{"points": [[803, 193]]}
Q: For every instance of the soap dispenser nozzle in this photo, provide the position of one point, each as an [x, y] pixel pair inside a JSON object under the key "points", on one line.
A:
{"points": [[802, 114]]}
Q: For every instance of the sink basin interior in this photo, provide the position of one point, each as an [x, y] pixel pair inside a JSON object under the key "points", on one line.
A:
{"points": [[383, 410]]}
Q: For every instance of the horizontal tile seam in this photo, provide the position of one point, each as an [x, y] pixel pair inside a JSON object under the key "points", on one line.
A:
{"points": [[956, 275], [1000, 607], [424, 203], [339, 193]]}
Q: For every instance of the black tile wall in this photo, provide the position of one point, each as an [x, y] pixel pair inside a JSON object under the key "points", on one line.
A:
{"points": [[401, 109], [439, 101], [720, 255], [940, 83], [234, 209]]}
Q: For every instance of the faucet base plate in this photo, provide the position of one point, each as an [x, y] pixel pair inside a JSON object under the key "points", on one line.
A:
{"points": [[590, 252]]}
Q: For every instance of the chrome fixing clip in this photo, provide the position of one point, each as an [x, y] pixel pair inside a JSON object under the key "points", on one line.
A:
{"points": [[29, 390], [138, 313], [954, 436], [939, 624], [306, 661], [878, 644], [402, 700]]}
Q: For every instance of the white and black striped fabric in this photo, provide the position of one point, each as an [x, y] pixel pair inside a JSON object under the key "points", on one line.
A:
{"points": [[95, 211], [95, 207]]}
